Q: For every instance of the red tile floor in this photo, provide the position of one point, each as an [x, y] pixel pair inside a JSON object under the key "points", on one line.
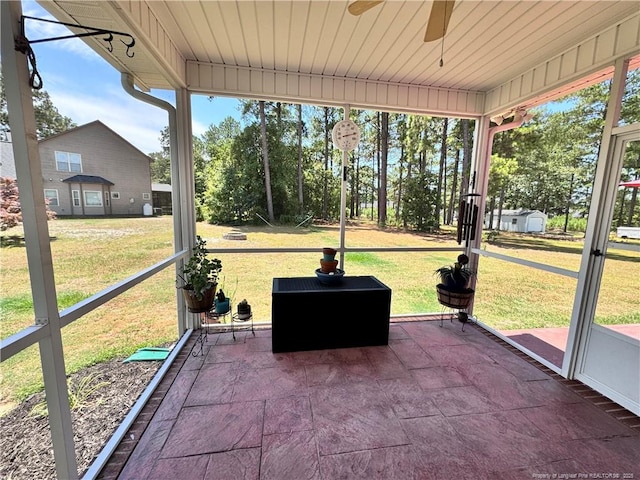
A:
{"points": [[436, 403]]}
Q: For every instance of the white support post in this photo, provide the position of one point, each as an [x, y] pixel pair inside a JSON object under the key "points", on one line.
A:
{"points": [[480, 176], [29, 172], [182, 165], [343, 194]]}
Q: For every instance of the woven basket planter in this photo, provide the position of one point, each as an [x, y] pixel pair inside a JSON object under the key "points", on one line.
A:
{"points": [[454, 299], [199, 306]]}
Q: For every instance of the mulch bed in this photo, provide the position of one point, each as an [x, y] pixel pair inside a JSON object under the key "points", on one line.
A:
{"points": [[25, 438]]}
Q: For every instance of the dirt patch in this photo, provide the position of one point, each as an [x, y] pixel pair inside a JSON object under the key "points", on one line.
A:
{"points": [[25, 442]]}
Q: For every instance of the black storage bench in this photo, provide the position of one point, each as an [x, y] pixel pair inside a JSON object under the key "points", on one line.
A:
{"points": [[308, 315]]}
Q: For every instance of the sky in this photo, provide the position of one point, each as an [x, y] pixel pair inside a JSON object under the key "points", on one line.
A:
{"points": [[84, 87]]}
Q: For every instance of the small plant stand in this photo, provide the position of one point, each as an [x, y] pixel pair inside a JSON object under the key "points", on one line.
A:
{"points": [[208, 320], [241, 324]]}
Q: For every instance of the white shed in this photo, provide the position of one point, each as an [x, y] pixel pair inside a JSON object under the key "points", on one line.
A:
{"points": [[521, 220]]}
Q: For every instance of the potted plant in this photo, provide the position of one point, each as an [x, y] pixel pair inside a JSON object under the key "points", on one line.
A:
{"points": [[453, 289], [222, 302], [244, 310], [200, 278]]}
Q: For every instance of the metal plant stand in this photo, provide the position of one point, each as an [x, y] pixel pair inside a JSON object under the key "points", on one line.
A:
{"points": [[209, 319], [241, 324]]}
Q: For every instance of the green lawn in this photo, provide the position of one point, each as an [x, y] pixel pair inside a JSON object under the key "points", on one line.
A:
{"points": [[89, 255]]}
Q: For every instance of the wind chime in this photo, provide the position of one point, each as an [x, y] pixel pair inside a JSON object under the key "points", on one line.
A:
{"points": [[467, 218]]}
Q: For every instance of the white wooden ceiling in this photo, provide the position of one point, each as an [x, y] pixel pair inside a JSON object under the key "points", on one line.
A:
{"points": [[488, 43]]}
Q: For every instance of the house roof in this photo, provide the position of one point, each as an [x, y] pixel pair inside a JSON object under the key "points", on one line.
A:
{"points": [[92, 124], [88, 179], [517, 213], [495, 53], [161, 187]]}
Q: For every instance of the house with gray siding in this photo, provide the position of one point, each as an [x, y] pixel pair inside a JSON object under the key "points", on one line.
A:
{"points": [[91, 171]]}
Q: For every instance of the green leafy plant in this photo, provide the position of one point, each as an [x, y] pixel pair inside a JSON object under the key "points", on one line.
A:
{"points": [[200, 273], [456, 276], [78, 393]]}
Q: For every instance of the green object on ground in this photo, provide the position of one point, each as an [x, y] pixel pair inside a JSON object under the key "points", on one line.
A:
{"points": [[149, 353]]}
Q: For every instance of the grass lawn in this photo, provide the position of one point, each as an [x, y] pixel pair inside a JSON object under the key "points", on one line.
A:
{"points": [[90, 255]]}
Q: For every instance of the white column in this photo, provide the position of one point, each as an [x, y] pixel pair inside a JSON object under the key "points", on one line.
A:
{"points": [[27, 158], [182, 168], [343, 195]]}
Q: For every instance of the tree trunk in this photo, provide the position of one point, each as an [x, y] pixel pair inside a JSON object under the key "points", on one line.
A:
{"points": [[265, 159], [500, 203], [300, 192], [466, 158], [492, 208], [632, 206], [382, 188], [401, 165], [566, 213], [441, 169], [454, 187]]}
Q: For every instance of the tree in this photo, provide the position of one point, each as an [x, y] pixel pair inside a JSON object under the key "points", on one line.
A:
{"points": [[442, 170], [10, 208], [300, 176], [265, 159], [161, 165], [384, 159], [48, 120]]}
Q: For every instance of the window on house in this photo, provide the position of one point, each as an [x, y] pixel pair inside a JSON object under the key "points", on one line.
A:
{"points": [[146, 196], [115, 195], [106, 198], [52, 196], [92, 199], [514, 221], [68, 162], [75, 195]]}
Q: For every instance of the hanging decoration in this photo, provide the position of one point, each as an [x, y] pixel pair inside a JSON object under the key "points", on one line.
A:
{"points": [[23, 44], [467, 218]]}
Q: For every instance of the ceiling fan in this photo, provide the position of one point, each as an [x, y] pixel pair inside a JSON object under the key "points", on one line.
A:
{"points": [[438, 19]]}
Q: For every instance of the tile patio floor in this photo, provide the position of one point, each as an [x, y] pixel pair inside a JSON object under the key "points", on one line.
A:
{"points": [[437, 403], [550, 343]]}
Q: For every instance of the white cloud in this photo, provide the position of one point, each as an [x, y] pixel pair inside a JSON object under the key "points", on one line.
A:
{"points": [[35, 30], [198, 128], [137, 122]]}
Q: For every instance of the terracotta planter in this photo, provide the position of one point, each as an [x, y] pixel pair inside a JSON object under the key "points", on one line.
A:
{"points": [[329, 254], [328, 266], [199, 306]]}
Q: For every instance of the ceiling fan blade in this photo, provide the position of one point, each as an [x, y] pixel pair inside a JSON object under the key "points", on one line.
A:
{"points": [[438, 19], [360, 6]]}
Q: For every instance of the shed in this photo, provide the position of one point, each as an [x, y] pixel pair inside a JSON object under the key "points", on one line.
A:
{"points": [[161, 195], [521, 220]]}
